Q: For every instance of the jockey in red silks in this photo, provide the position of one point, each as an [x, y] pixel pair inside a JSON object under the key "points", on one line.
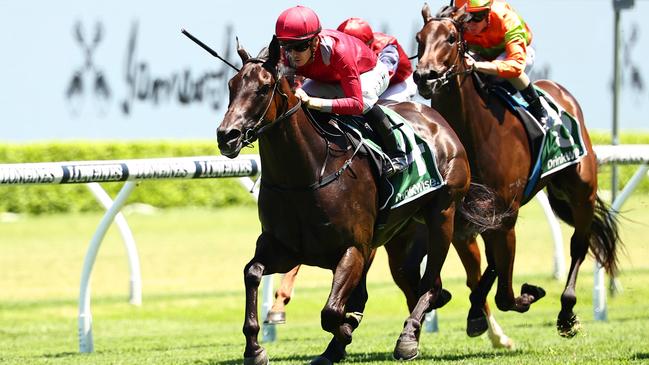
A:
{"points": [[497, 34], [344, 75], [390, 52]]}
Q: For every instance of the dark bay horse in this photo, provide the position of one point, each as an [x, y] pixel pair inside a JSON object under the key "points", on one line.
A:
{"points": [[318, 203], [499, 155]]}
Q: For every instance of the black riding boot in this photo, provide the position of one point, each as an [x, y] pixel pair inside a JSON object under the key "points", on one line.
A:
{"points": [[534, 100], [381, 124]]}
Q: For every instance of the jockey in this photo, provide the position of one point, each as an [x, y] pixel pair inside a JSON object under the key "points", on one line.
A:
{"points": [[390, 52], [496, 33], [344, 75]]}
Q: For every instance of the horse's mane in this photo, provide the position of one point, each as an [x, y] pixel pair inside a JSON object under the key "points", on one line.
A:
{"points": [[446, 11]]}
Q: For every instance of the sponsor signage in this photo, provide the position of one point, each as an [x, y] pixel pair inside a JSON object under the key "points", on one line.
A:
{"points": [[98, 171]]}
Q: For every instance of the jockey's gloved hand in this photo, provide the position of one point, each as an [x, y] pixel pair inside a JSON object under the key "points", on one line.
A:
{"points": [[469, 61], [303, 96], [312, 102], [316, 103]]}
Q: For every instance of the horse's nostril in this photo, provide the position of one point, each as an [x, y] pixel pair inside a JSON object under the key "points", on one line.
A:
{"points": [[416, 76], [223, 136]]}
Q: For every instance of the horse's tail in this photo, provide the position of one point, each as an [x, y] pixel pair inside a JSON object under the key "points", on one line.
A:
{"points": [[484, 210], [604, 238]]}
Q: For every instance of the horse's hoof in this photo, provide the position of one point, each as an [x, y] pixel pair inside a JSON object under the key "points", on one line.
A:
{"points": [[535, 291], [321, 360], [275, 318], [476, 326], [260, 359], [406, 350], [568, 327], [443, 298], [502, 342]]}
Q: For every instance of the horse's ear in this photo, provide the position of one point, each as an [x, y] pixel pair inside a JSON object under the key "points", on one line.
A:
{"points": [[461, 16], [273, 52], [242, 52], [425, 13]]}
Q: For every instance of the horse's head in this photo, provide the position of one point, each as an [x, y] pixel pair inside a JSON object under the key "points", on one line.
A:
{"points": [[441, 49], [252, 105]]}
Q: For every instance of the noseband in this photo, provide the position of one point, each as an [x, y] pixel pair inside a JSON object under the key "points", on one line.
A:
{"points": [[437, 83], [263, 124]]}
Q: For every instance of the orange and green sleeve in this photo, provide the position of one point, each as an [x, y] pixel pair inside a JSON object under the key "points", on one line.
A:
{"points": [[506, 32]]}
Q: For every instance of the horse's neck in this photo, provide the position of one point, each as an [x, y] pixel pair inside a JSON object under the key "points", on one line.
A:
{"points": [[463, 106], [292, 152]]}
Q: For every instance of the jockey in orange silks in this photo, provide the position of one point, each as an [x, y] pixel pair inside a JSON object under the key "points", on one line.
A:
{"points": [[390, 52], [497, 34], [344, 75]]}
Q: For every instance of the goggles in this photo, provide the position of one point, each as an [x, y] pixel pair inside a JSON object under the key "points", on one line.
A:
{"points": [[299, 46], [478, 17]]}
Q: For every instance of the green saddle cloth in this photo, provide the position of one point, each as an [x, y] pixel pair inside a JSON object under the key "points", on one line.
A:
{"points": [[422, 175]]}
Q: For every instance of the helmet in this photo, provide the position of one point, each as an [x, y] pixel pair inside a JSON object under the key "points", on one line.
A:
{"points": [[474, 6], [297, 24], [358, 28]]}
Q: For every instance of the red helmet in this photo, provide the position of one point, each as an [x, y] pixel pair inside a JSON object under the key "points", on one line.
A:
{"points": [[297, 24], [358, 28]]}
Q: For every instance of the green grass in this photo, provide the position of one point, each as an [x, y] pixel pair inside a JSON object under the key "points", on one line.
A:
{"points": [[192, 261]]}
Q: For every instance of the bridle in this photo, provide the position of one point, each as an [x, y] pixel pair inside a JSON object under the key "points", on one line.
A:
{"points": [[438, 82], [263, 124]]}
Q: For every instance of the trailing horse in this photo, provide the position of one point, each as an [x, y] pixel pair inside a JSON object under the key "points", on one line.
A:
{"points": [[500, 156], [319, 203]]}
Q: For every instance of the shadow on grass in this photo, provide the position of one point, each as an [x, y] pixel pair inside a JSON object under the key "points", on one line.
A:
{"points": [[640, 356], [373, 357]]}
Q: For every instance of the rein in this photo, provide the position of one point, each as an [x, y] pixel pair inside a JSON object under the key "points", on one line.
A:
{"points": [[263, 125]]}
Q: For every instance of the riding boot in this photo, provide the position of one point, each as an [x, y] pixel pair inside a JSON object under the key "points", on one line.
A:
{"points": [[534, 101], [381, 124]]}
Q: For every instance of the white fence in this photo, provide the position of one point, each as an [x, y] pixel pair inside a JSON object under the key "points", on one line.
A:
{"points": [[131, 171]]}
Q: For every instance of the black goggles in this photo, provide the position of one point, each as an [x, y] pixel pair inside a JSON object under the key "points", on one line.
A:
{"points": [[478, 17], [299, 46]]}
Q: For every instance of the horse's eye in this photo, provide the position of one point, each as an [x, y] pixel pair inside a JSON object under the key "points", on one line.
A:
{"points": [[452, 38], [263, 89]]}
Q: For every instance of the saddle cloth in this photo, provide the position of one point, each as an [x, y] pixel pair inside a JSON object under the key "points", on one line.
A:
{"points": [[422, 175], [554, 146]]}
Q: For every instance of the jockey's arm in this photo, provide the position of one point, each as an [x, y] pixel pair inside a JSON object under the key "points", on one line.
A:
{"points": [[512, 66], [350, 83], [389, 56]]}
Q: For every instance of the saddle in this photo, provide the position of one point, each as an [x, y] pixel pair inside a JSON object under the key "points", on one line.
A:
{"points": [[553, 146], [506, 93], [354, 133]]}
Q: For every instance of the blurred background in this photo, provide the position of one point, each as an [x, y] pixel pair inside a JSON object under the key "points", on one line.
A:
{"points": [[77, 69], [91, 80]]}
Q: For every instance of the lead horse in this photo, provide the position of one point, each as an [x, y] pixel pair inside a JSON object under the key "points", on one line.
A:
{"points": [[499, 155], [318, 203]]}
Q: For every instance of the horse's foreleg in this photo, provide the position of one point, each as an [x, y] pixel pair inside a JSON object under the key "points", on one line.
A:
{"points": [[277, 313], [253, 354], [347, 275], [268, 259], [480, 318], [354, 309], [502, 244], [440, 232]]}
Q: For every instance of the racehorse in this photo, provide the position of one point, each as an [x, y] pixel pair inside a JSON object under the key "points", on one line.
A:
{"points": [[318, 203], [499, 155]]}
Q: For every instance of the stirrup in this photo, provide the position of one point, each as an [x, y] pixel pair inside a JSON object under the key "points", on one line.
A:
{"points": [[395, 165], [539, 111]]}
